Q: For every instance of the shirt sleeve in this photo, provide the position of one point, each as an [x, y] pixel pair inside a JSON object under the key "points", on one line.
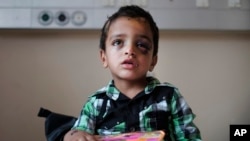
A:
{"points": [[182, 115], [87, 119]]}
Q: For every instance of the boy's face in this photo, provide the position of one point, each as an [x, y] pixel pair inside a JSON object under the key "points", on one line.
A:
{"points": [[129, 49]]}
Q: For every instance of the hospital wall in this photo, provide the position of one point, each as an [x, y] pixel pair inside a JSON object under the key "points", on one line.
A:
{"points": [[59, 69]]}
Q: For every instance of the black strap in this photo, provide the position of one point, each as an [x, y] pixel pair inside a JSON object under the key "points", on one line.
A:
{"points": [[43, 112], [56, 125]]}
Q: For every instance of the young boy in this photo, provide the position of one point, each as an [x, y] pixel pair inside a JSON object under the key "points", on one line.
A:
{"points": [[132, 101]]}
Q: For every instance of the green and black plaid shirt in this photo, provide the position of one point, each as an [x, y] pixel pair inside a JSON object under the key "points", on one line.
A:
{"points": [[159, 106]]}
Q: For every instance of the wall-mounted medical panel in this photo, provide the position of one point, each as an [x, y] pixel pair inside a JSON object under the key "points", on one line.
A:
{"points": [[91, 14]]}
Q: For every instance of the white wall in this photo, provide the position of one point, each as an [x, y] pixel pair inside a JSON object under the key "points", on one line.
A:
{"points": [[59, 69]]}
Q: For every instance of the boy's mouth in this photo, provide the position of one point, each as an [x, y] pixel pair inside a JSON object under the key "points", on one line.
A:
{"points": [[129, 63]]}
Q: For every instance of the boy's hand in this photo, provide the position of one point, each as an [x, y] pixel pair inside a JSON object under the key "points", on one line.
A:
{"points": [[77, 135]]}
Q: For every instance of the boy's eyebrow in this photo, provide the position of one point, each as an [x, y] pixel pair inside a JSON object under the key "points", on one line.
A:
{"points": [[124, 35], [145, 37], [117, 35]]}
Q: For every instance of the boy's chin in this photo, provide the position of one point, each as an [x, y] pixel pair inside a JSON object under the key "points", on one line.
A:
{"points": [[133, 77]]}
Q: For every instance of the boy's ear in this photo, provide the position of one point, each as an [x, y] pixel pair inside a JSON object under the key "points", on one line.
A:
{"points": [[103, 58], [154, 62]]}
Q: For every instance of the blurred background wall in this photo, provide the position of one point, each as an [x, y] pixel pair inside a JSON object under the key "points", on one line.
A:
{"points": [[59, 69]]}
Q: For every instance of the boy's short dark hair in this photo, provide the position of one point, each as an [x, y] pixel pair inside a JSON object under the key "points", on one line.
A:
{"points": [[132, 11]]}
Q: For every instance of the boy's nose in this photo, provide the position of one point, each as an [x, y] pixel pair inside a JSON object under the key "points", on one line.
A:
{"points": [[130, 53], [130, 50]]}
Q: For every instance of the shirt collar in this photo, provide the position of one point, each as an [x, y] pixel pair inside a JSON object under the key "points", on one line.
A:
{"points": [[152, 83], [114, 93]]}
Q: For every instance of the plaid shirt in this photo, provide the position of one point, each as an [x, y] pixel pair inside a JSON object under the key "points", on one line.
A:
{"points": [[159, 106]]}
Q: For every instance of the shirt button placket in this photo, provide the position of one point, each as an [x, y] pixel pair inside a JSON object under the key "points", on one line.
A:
{"points": [[132, 129]]}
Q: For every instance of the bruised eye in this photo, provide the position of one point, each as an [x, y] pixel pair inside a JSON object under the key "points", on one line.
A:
{"points": [[144, 47]]}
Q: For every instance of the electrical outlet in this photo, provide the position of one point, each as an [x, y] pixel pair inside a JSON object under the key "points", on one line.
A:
{"points": [[78, 18], [62, 18], [45, 17]]}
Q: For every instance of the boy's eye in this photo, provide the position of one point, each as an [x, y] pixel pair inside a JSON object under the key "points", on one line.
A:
{"points": [[117, 42], [144, 47]]}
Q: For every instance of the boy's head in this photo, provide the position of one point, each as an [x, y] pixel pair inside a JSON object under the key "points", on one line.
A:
{"points": [[131, 11]]}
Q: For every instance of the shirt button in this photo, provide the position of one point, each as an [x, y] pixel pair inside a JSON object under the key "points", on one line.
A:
{"points": [[132, 129]]}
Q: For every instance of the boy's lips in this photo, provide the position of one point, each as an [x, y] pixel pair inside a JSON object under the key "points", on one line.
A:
{"points": [[129, 64]]}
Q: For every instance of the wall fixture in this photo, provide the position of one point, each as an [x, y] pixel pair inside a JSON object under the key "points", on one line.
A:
{"points": [[79, 18], [45, 18], [62, 18]]}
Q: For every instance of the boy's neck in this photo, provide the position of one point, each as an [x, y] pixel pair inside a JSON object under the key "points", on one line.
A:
{"points": [[130, 88]]}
